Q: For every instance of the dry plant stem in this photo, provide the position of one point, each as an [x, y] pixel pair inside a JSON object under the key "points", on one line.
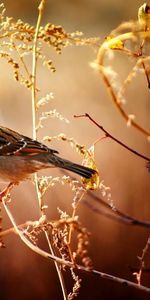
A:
{"points": [[34, 67], [100, 62], [27, 242], [57, 266], [11, 230], [22, 61], [71, 228], [6, 191], [126, 81], [146, 73], [118, 215], [69, 264], [143, 64], [112, 137], [145, 250]]}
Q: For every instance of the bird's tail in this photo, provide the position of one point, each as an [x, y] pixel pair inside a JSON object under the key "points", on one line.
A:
{"points": [[76, 168]]}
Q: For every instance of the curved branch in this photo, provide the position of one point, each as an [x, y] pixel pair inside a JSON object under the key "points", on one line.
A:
{"points": [[100, 61]]}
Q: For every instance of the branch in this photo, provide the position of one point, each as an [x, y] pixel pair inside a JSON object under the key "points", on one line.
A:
{"points": [[112, 137], [120, 216]]}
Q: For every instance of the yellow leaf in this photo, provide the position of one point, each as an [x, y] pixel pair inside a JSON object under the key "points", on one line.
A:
{"points": [[116, 44], [89, 161]]}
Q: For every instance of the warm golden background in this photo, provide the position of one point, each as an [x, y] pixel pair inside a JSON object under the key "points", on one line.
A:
{"points": [[77, 88]]}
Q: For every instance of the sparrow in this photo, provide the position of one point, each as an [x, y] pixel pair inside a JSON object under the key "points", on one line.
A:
{"points": [[20, 156]]}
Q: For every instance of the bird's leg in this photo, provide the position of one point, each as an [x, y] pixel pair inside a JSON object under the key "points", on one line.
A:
{"points": [[6, 190]]}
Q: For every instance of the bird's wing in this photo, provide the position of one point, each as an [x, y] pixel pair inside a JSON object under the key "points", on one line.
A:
{"points": [[13, 143]]}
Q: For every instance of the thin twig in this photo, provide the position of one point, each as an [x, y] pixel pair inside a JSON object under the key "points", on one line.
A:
{"points": [[57, 266], [74, 205], [139, 273], [118, 214], [121, 216], [146, 73], [142, 62], [112, 137], [34, 67], [22, 60], [100, 211]]}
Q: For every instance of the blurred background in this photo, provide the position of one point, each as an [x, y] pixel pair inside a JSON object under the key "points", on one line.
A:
{"points": [[114, 247]]}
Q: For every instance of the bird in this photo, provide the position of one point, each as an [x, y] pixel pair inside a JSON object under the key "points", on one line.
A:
{"points": [[21, 156]]}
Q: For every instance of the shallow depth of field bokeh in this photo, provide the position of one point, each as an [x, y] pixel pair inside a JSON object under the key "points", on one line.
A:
{"points": [[114, 247]]}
